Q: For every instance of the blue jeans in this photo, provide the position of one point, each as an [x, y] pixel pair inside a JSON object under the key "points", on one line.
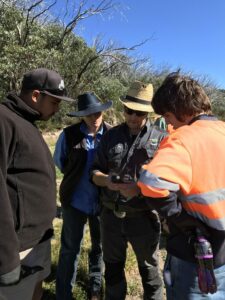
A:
{"points": [[184, 282], [71, 237], [142, 232]]}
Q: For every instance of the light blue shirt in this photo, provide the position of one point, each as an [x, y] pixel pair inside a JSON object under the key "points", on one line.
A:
{"points": [[85, 196]]}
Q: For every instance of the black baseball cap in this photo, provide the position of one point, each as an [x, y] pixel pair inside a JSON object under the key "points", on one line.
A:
{"points": [[47, 81]]}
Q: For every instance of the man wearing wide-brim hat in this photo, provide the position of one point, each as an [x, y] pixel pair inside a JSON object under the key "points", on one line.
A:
{"points": [[139, 97], [79, 197], [121, 152]]}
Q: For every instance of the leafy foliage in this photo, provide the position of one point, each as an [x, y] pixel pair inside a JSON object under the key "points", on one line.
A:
{"points": [[29, 42], [33, 35]]}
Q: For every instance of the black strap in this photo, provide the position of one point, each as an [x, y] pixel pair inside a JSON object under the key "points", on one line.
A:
{"points": [[136, 100], [130, 151], [154, 133]]}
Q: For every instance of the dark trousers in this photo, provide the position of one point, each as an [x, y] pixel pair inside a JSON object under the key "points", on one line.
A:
{"points": [[71, 237], [142, 233]]}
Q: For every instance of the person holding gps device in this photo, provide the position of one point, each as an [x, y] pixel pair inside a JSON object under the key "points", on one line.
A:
{"points": [[122, 151]]}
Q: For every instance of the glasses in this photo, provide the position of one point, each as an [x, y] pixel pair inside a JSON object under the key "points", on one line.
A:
{"points": [[138, 113]]}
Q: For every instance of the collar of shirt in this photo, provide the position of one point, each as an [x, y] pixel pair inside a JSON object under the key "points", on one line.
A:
{"points": [[91, 141], [203, 117], [84, 129]]}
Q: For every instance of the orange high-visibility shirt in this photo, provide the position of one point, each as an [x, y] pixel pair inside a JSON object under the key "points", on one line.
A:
{"points": [[192, 161]]}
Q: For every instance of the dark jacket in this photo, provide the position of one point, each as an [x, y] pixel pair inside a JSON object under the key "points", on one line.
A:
{"points": [[75, 161], [27, 182], [115, 157]]}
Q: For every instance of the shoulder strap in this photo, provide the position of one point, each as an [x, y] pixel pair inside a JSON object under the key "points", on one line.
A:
{"points": [[155, 136]]}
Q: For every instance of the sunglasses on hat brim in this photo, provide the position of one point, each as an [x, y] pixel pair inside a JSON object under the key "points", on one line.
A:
{"points": [[138, 113]]}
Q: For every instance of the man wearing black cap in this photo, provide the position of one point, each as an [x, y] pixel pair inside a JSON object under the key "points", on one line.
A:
{"points": [[27, 185], [121, 152], [73, 155]]}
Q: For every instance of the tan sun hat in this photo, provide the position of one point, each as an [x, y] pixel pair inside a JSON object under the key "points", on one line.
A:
{"points": [[139, 97]]}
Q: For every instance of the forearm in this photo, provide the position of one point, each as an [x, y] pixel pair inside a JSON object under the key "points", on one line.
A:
{"points": [[100, 179], [171, 209], [166, 207], [9, 244]]}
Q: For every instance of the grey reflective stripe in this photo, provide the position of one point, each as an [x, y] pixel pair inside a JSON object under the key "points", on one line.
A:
{"points": [[148, 178], [205, 198], [218, 224]]}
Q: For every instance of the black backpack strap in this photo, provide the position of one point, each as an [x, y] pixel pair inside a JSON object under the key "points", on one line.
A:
{"points": [[153, 140]]}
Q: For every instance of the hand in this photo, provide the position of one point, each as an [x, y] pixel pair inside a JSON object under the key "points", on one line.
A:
{"points": [[27, 271], [129, 190], [15, 276], [11, 278], [111, 185]]}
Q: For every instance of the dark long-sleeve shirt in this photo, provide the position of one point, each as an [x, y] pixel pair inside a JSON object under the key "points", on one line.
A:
{"points": [[27, 182]]}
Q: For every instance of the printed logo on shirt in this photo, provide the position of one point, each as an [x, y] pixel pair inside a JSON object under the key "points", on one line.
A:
{"points": [[118, 148]]}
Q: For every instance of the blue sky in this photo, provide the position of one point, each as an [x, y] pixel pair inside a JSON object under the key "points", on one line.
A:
{"points": [[183, 33]]}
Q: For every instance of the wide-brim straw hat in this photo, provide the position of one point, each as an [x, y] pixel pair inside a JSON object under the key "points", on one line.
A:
{"points": [[89, 103], [139, 97]]}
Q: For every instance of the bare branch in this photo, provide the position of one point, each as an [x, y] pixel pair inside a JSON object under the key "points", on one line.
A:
{"points": [[111, 56], [83, 13], [43, 11], [30, 20], [84, 69]]}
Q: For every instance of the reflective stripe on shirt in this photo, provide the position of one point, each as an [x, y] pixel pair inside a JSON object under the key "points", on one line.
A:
{"points": [[208, 207], [157, 182]]}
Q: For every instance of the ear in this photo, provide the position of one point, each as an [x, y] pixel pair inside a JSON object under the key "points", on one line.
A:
{"points": [[35, 95], [169, 115]]}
